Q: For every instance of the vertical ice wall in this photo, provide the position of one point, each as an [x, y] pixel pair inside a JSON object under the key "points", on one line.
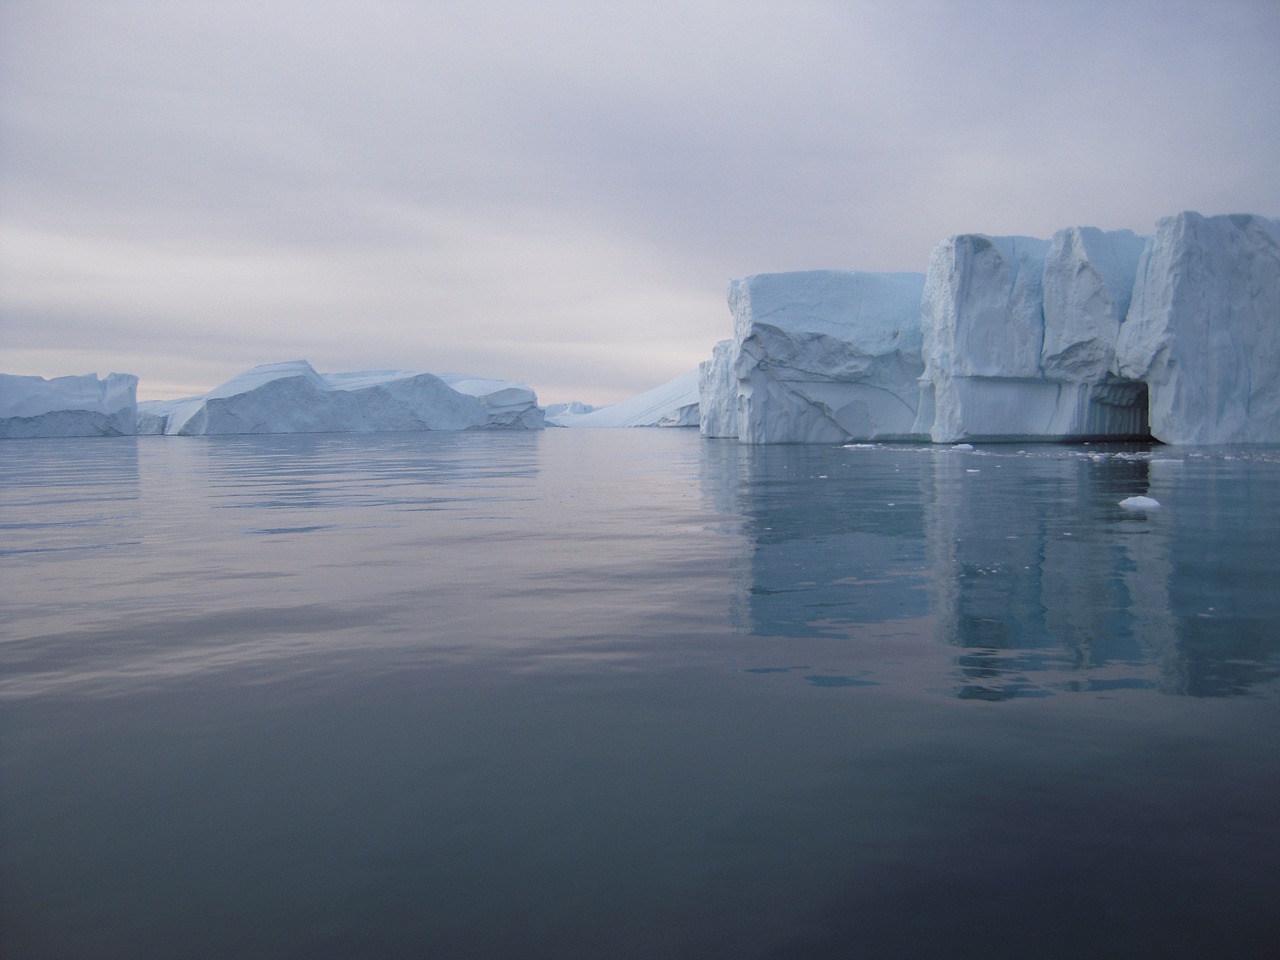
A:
{"points": [[819, 356], [1203, 329], [1020, 334]]}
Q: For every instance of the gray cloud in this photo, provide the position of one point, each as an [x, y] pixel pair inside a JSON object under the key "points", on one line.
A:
{"points": [[559, 192]]}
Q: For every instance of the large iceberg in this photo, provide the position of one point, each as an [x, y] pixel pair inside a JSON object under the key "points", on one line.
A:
{"points": [[292, 397], [1020, 338], [672, 404], [1088, 335], [68, 406], [1203, 330], [818, 356]]}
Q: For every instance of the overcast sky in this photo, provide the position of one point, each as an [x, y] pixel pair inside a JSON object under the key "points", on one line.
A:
{"points": [[559, 192]]}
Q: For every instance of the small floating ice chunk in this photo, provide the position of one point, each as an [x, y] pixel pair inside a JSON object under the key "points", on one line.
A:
{"points": [[1140, 503], [962, 446]]}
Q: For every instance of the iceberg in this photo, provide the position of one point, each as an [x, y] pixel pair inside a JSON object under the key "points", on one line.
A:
{"points": [[1140, 503], [573, 408], [1020, 338], [1087, 335], [83, 406], [291, 397], [672, 404], [1088, 283], [1203, 329], [718, 391], [824, 356]]}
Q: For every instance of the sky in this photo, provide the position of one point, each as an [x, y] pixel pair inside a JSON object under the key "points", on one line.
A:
{"points": [[559, 192]]}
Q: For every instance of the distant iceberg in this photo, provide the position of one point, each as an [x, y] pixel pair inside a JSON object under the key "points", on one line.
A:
{"points": [[573, 408], [673, 404], [68, 406], [292, 397]]}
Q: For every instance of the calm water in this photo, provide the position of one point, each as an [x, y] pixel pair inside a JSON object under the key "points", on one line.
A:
{"points": [[633, 694]]}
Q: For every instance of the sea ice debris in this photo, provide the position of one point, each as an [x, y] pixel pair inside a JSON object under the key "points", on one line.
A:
{"points": [[1140, 503]]}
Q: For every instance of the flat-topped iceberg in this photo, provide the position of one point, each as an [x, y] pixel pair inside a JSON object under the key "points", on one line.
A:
{"points": [[817, 356], [82, 406], [1203, 330], [292, 397], [1088, 335], [672, 404]]}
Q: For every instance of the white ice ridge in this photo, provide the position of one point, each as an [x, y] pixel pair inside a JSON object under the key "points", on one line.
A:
{"points": [[1088, 335], [291, 397], [673, 404], [68, 406], [819, 356]]}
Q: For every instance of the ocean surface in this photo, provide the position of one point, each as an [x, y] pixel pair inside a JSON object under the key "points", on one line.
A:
{"points": [[636, 694]]}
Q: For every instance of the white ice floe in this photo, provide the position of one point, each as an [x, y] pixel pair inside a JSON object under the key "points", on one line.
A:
{"points": [[1140, 503]]}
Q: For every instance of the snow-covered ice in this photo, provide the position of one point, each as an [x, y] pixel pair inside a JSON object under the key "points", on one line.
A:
{"points": [[672, 404], [83, 406], [291, 397]]}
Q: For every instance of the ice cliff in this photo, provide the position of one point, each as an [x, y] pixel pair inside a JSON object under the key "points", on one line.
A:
{"points": [[1019, 338], [819, 356], [1090, 334], [68, 406], [292, 397], [1203, 331]]}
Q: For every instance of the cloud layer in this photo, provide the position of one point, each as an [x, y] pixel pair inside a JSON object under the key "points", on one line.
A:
{"points": [[559, 192]]}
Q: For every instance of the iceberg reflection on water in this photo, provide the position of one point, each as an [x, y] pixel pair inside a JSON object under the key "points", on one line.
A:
{"points": [[1026, 559]]}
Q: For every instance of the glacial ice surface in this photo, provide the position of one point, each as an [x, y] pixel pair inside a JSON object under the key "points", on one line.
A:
{"points": [[1088, 335], [824, 356], [1203, 329], [291, 397], [1020, 338], [82, 406]]}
